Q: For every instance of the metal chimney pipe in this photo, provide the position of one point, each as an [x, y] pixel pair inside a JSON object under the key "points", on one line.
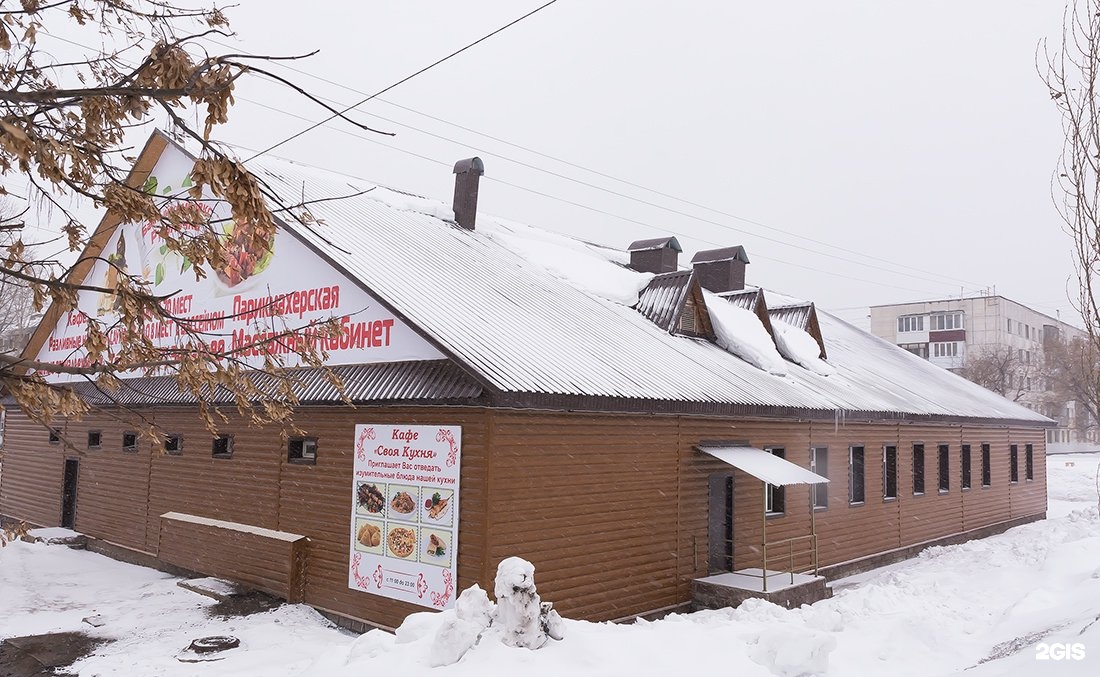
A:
{"points": [[467, 175]]}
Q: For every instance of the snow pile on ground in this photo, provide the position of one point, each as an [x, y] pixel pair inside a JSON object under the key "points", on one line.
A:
{"points": [[518, 619], [740, 332], [799, 347], [987, 608]]}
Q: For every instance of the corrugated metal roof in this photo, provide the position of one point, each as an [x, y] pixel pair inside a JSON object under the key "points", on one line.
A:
{"points": [[527, 330], [745, 298], [663, 297], [655, 243], [433, 380], [797, 314], [723, 254]]}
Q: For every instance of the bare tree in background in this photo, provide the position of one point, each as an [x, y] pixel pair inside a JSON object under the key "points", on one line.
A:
{"points": [[1071, 71], [16, 298], [1000, 369], [63, 123], [1074, 376]]}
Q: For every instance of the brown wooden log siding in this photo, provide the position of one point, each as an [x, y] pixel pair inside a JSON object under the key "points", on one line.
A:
{"points": [[259, 561], [611, 509]]}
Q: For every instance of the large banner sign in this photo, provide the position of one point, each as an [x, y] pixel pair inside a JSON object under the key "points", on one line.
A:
{"points": [[404, 515], [257, 295]]}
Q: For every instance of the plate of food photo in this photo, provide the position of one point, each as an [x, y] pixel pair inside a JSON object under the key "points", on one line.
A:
{"points": [[403, 501], [401, 542], [438, 506]]}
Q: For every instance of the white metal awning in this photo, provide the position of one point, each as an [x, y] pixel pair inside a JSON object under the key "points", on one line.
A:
{"points": [[764, 466]]}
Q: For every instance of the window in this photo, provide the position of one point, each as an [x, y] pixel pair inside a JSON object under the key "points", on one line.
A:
{"points": [[918, 468], [95, 439], [941, 459], [985, 466], [1013, 464], [944, 321], [173, 444], [918, 349], [302, 450], [889, 472], [911, 323], [129, 441], [55, 435], [950, 349], [856, 488], [222, 447], [964, 461], [819, 463], [1009, 325], [1029, 462], [775, 495]]}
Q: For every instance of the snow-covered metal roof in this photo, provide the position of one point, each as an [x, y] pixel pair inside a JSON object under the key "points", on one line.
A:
{"points": [[663, 297], [525, 323], [763, 465]]}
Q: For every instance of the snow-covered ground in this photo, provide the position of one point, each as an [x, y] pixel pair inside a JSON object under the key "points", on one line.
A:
{"points": [[1016, 596]]}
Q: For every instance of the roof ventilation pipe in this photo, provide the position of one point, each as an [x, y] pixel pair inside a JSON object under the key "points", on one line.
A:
{"points": [[720, 270], [467, 175], [654, 256]]}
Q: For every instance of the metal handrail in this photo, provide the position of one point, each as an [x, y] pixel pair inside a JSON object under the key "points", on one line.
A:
{"points": [[790, 555]]}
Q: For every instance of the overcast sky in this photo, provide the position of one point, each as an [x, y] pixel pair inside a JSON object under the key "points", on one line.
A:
{"points": [[916, 141]]}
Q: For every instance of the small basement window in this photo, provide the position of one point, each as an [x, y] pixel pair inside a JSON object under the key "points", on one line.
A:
{"points": [[173, 444], [95, 439], [129, 441], [302, 450], [55, 435], [222, 447]]}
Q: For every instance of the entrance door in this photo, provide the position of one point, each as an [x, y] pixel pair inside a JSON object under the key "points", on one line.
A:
{"points": [[720, 523], [68, 494]]}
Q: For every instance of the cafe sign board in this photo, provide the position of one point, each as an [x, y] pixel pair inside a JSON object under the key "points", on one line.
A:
{"points": [[404, 512]]}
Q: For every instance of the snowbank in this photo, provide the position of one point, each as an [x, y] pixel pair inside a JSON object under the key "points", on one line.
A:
{"points": [[740, 332], [980, 609], [584, 270], [799, 347]]}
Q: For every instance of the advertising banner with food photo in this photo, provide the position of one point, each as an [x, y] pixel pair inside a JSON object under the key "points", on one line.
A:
{"points": [[254, 295], [404, 515]]}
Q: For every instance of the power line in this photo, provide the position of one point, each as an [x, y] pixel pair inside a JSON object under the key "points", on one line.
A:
{"points": [[647, 189], [406, 78], [652, 227]]}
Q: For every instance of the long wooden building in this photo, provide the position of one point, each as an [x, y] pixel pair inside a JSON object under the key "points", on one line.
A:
{"points": [[516, 393]]}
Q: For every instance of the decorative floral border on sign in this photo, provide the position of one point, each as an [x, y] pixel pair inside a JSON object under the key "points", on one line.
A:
{"points": [[441, 600], [421, 586], [447, 436], [360, 451], [362, 581]]}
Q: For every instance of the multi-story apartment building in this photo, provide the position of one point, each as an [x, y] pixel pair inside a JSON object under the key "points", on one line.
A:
{"points": [[948, 332]]}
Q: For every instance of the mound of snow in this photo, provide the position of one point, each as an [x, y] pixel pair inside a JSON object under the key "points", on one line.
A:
{"points": [[740, 332], [799, 347], [582, 268]]}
